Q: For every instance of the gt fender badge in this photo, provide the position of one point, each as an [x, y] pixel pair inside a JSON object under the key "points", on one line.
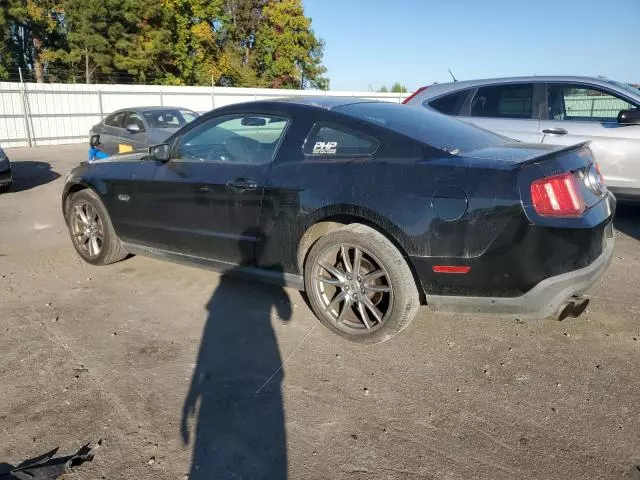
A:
{"points": [[124, 198]]}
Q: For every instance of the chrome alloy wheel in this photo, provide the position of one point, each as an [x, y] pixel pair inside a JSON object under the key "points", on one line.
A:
{"points": [[353, 288], [87, 229]]}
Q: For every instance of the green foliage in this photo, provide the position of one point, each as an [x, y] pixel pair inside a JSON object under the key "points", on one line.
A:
{"points": [[31, 32], [288, 54], [395, 88], [88, 23], [180, 42]]}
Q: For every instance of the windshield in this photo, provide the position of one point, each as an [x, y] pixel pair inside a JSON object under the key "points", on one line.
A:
{"points": [[626, 87], [434, 129], [169, 118]]}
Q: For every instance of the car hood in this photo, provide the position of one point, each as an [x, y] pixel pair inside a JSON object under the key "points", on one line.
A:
{"points": [[134, 156]]}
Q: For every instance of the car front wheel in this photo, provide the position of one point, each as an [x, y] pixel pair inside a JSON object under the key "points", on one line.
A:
{"points": [[91, 230], [359, 285]]}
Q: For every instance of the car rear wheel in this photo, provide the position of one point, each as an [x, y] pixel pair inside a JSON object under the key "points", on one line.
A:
{"points": [[91, 230], [4, 188], [359, 285]]}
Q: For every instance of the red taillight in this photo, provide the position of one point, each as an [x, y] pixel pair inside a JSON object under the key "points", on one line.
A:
{"points": [[408, 99], [557, 196]]}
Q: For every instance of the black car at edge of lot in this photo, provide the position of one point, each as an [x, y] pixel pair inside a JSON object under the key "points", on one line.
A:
{"points": [[372, 208], [6, 178]]}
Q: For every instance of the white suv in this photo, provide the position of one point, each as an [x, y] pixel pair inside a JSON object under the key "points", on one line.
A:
{"points": [[557, 110]]}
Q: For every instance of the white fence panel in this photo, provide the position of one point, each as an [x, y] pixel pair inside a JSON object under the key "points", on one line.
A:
{"points": [[52, 114]]}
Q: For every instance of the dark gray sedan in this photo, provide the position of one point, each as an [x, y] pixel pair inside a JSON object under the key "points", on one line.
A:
{"points": [[140, 127]]}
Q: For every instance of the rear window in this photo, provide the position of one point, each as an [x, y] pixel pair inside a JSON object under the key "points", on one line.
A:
{"points": [[450, 104], [169, 118], [329, 139], [434, 129]]}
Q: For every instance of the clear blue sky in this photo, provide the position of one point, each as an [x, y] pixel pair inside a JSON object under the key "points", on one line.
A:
{"points": [[379, 42]]}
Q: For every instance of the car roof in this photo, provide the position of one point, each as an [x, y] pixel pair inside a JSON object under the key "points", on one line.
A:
{"points": [[152, 108], [439, 88], [328, 102]]}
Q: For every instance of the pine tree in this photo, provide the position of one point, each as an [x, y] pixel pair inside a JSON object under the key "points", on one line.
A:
{"points": [[88, 23]]}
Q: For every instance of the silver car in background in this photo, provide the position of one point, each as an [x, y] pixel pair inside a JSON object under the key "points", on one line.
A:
{"points": [[556, 110], [140, 127]]}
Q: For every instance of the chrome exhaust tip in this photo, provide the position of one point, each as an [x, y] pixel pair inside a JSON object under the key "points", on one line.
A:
{"points": [[574, 307]]}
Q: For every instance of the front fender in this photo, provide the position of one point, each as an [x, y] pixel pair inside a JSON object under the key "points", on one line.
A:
{"points": [[80, 179]]}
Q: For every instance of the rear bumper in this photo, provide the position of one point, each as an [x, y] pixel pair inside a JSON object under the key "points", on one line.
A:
{"points": [[542, 301]]}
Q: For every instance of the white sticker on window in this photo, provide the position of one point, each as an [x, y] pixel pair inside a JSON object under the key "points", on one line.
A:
{"points": [[325, 148]]}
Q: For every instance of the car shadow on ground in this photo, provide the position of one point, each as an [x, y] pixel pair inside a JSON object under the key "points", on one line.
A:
{"points": [[28, 175], [627, 219], [238, 430]]}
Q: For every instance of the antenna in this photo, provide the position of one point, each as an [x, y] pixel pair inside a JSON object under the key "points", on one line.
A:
{"points": [[454, 78]]}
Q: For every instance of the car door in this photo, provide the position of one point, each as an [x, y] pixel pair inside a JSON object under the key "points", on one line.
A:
{"points": [[122, 179], [206, 200], [507, 109], [579, 112], [111, 131], [134, 134]]}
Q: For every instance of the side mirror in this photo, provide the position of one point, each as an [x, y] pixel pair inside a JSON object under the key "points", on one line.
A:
{"points": [[629, 117], [162, 153], [94, 141], [133, 128], [253, 122]]}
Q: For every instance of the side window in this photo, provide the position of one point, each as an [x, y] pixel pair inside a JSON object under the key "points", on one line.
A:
{"points": [[239, 139], [115, 120], [134, 119], [450, 104], [576, 102], [503, 101], [336, 141], [188, 115]]}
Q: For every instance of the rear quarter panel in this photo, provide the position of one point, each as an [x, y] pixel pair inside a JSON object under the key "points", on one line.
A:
{"points": [[397, 196]]}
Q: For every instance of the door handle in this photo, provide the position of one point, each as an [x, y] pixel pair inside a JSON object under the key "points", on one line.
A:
{"points": [[555, 131], [241, 184]]}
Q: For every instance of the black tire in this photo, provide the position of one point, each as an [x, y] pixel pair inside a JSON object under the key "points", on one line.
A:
{"points": [[91, 207], [4, 188], [338, 298]]}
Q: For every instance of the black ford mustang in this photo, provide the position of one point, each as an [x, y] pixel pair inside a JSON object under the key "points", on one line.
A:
{"points": [[372, 208]]}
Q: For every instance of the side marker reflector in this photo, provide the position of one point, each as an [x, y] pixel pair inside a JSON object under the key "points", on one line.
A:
{"points": [[450, 269]]}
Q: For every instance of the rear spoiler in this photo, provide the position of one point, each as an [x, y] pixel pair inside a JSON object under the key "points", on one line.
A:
{"points": [[554, 153]]}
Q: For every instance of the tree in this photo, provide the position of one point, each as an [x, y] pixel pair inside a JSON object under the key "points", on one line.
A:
{"points": [[31, 33], [88, 23], [288, 54], [398, 88], [383, 89], [142, 41], [182, 42], [195, 49], [242, 19]]}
